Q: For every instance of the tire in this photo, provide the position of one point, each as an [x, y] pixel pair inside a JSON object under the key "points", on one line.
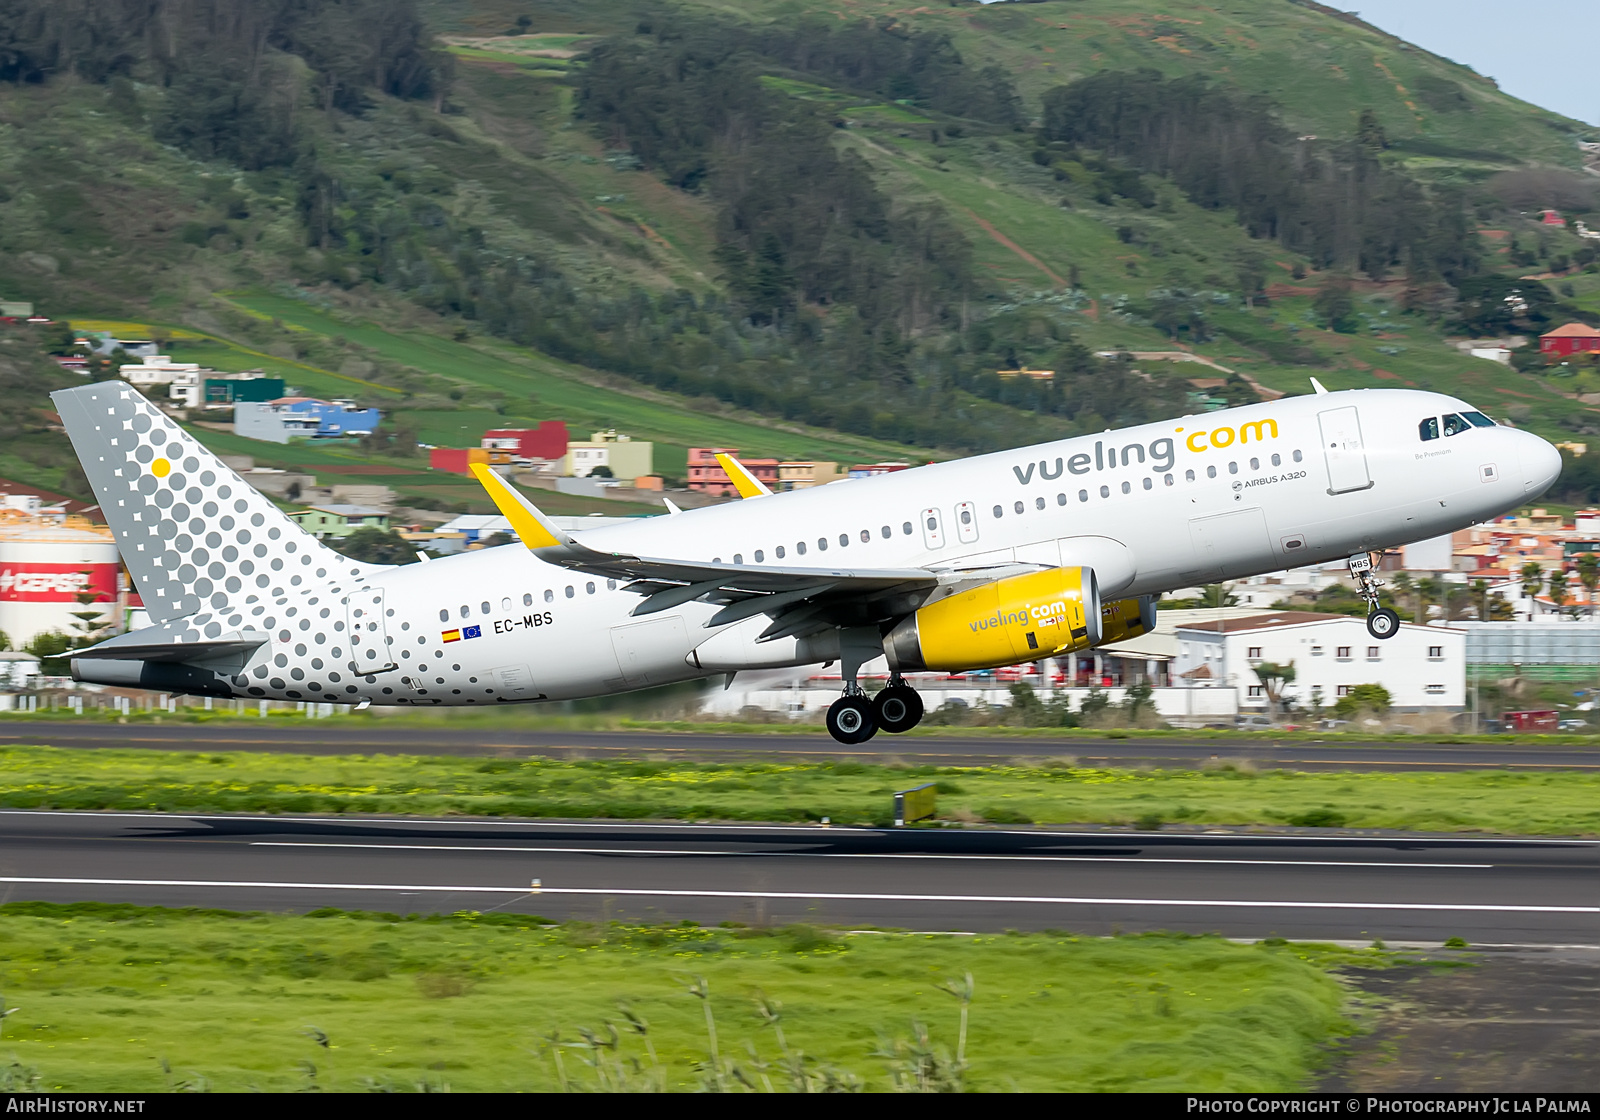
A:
{"points": [[897, 708], [1383, 623], [850, 720]]}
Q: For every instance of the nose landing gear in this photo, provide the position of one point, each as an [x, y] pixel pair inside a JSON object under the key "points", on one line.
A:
{"points": [[1381, 621]]}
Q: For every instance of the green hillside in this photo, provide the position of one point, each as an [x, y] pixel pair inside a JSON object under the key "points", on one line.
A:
{"points": [[797, 228]]}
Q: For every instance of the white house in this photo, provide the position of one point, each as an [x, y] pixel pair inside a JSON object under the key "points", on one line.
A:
{"points": [[1423, 667], [185, 380]]}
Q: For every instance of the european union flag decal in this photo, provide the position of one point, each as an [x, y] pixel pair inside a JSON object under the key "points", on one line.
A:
{"points": [[472, 632]]}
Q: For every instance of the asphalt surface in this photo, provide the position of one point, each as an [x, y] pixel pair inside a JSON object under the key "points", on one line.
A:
{"points": [[393, 737], [1400, 888]]}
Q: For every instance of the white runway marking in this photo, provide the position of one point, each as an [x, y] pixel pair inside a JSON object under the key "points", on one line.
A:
{"points": [[851, 855], [803, 896]]}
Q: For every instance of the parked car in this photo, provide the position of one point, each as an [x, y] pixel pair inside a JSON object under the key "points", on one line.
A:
{"points": [[1574, 725], [1254, 723], [1334, 724]]}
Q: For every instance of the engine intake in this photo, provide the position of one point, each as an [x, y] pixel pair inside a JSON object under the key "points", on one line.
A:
{"points": [[1023, 618]]}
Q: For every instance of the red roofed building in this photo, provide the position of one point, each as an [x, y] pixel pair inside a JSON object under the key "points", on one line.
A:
{"points": [[1573, 338], [547, 442]]}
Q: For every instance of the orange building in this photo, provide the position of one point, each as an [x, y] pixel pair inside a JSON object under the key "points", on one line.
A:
{"points": [[707, 476]]}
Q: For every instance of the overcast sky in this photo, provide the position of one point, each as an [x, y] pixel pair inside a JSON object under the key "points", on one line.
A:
{"points": [[1538, 52]]}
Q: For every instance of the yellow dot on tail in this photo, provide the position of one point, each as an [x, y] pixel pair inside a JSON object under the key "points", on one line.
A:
{"points": [[161, 468]]}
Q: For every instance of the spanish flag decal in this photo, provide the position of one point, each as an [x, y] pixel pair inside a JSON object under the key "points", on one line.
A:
{"points": [[451, 635]]}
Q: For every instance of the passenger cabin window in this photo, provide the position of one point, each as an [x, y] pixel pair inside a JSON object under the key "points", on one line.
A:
{"points": [[1429, 428], [1454, 425]]}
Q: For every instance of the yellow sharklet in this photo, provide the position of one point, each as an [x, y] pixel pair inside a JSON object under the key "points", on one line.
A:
{"points": [[748, 485], [526, 521]]}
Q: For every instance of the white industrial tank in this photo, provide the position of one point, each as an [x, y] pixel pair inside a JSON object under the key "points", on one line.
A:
{"points": [[44, 569]]}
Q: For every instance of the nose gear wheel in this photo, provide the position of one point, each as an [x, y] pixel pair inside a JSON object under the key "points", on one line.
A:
{"points": [[1382, 623]]}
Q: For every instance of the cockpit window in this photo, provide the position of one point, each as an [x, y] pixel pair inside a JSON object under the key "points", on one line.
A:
{"points": [[1478, 420], [1429, 428], [1455, 425]]}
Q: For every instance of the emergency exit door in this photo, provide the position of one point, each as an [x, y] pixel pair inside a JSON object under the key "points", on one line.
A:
{"points": [[1343, 450]]}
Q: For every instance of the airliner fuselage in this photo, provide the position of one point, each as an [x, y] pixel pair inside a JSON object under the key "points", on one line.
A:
{"points": [[1203, 498]]}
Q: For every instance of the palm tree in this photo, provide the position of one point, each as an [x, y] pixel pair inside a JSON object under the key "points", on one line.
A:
{"points": [[1532, 580], [1589, 576], [1217, 595], [1557, 584], [1274, 678]]}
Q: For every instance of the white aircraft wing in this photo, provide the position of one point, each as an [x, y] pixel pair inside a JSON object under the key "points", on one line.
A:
{"points": [[809, 597]]}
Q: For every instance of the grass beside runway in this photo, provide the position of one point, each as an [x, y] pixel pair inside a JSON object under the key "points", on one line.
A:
{"points": [[1560, 803], [107, 996], [466, 721]]}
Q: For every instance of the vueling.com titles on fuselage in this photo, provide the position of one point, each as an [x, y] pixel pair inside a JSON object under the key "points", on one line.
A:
{"points": [[1160, 454]]}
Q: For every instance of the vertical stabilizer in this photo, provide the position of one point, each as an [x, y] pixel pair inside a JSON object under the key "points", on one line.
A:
{"points": [[193, 534]]}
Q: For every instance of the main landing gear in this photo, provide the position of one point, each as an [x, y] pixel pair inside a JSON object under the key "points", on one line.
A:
{"points": [[1381, 621], [853, 718]]}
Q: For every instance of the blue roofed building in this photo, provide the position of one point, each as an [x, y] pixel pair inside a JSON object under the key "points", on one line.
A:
{"points": [[302, 418]]}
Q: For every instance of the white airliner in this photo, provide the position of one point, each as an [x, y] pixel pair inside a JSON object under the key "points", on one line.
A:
{"points": [[993, 560]]}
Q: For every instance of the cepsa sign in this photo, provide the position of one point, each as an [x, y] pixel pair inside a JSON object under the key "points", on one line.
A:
{"points": [[57, 583]]}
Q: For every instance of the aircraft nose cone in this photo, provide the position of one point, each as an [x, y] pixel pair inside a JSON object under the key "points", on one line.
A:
{"points": [[1541, 464]]}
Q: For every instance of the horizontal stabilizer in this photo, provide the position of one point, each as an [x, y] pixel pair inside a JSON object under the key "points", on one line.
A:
{"points": [[129, 647]]}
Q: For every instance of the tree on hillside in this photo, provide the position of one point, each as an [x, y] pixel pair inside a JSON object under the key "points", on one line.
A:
{"points": [[1335, 304], [1490, 306], [1337, 202]]}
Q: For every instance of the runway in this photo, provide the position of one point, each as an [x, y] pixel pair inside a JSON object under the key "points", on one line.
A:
{"points": [[1401, 888], [396, 737]]}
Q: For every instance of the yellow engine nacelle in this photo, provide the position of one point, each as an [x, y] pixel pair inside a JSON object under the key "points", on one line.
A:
{"points": [[1006, 622], [1122, 619]]}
